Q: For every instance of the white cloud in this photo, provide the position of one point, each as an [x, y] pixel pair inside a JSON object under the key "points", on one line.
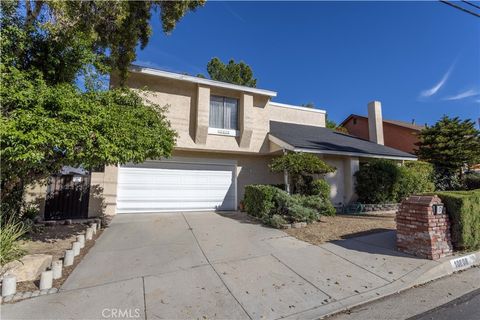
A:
{"points": [[464, 94], [430, 92]]}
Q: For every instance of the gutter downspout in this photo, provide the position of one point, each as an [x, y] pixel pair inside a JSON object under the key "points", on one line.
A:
{"points": [[285, 176]]}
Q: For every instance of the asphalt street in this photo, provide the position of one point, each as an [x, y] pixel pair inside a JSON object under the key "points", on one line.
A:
{"points": [[467, 307]]}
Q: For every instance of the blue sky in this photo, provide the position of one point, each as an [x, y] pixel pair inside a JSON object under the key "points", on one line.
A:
{"points": [[420, 59]]}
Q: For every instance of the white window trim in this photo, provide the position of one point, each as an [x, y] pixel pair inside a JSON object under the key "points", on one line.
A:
{"points": [[223, 132]]}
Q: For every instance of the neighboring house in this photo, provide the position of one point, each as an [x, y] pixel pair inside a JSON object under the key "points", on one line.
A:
{"points": [[227, 136], [396, 134]]}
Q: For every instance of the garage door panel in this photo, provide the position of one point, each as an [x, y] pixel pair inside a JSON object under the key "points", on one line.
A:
{"points": [[175, 186]]}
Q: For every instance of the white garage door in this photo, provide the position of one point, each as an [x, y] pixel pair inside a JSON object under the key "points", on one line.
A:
{"points": [[176, 185]]}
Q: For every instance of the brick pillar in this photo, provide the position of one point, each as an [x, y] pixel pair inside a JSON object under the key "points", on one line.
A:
{"points": [[421, 232]]}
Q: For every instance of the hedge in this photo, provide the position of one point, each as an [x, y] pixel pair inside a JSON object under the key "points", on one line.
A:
{"points": [[276, 207], [463, 208]]}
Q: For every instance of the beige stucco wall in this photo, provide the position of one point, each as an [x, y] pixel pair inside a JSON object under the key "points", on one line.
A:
{"points": [[188, 110], [36, 193]]}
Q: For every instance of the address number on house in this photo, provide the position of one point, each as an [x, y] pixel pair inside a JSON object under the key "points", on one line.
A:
{"points": [[463, 262]]}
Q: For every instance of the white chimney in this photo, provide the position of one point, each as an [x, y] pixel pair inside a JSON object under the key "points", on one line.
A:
{"points": [[375, 122]]}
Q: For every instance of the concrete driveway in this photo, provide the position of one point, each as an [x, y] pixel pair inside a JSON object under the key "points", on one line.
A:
{"points": [[207, 265]]}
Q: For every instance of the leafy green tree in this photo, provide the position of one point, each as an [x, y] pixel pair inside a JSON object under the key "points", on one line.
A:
{"points": [[299, 167], [237, 73], [450, 145], [62, 38], [46, 120]]}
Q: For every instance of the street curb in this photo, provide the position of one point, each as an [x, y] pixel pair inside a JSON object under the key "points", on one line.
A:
{"points": [[421, 275]]}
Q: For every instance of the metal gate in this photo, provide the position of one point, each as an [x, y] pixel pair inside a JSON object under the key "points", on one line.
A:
{"points": [[67, 197]]}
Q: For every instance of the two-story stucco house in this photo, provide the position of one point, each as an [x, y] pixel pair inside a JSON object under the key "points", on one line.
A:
{"points": [[227, 136]]}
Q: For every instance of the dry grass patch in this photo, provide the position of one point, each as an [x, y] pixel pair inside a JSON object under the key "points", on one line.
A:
{"points": [[343, 226]]}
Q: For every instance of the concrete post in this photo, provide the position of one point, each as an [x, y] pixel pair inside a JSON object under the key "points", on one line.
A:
{"points": [[57, 269], [68, 258], [46, 280], [9, 285], [94, 227], [89, 234], [81, 239], [76, 248]]}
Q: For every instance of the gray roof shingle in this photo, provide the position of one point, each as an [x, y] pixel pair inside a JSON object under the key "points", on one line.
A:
{"points": [[326, 141]]}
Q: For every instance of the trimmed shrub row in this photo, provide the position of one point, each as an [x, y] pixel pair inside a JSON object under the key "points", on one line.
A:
{"points": [[463, 208], [276, 207]]}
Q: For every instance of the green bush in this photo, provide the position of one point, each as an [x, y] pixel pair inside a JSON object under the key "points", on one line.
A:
{"points": [[414, 177], [384, 181], [320, 187], [463, 208], [276, 221], [12, 230], [275, 207], [375, 181], [258, 200], [320, 204], [299, 213], [472, 181]]}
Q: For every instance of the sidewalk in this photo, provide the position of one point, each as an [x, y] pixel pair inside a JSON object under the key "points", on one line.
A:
{"points": [[224, 266]]}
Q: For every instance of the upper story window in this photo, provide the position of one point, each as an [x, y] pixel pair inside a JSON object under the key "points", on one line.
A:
{"points": [[223, 115]]}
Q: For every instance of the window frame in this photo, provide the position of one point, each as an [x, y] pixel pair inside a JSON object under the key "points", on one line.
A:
{"points": [[224, 131]]}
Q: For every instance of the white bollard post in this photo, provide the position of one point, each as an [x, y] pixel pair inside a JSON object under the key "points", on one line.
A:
{"points": [[57, 269], [81, 239], [76, 248], [89, 234], [94, 228], [9, 285], [68, 258], [46, 280]]}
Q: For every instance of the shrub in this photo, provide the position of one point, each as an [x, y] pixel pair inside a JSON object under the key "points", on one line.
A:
{"points": [[320, 204], [276, 221], [472, 181], [30, 211], [375, 181], [320, 187], [463, 208], [275, 207], [383, 181], [299, 213], [259, 200], [414, 177], [12, 230]]}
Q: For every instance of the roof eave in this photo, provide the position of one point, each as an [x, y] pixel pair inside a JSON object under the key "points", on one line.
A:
{"points": [[290, 147], [192, 79]]}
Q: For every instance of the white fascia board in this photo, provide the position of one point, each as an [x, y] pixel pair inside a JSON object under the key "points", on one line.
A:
{"points": [[187, 78], [288, 146], [291, 106]]}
